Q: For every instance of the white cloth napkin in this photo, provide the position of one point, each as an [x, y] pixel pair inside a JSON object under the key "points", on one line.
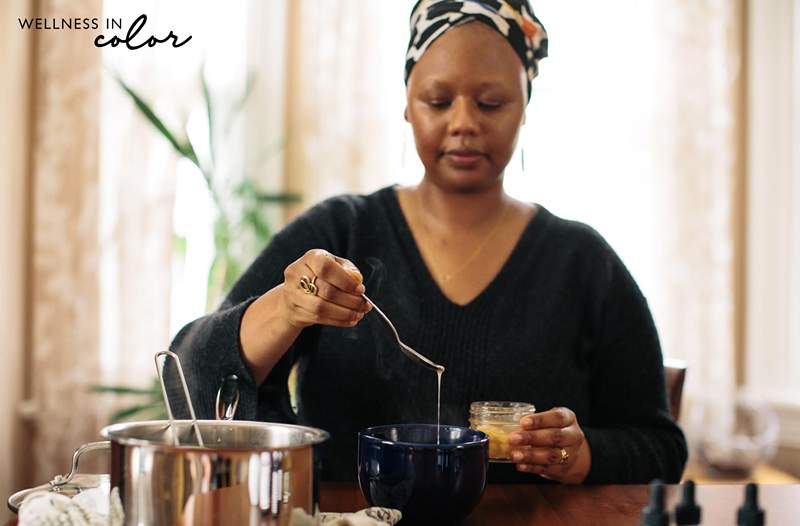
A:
{"points": [[92, 508], [367, 517], [88, 508]]}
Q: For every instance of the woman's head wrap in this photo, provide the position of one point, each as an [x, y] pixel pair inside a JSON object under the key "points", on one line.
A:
{"points": [[514, 19]]}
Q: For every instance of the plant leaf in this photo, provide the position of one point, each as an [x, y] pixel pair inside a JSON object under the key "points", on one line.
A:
{"points": [[209, 115], [155, 414], [262, 197], [128, 412], [121, 389], [179, 245], [151, 116], [236, 108], [253, 218], [216, 279], [232, 271], [248, 190], [188, 151]]}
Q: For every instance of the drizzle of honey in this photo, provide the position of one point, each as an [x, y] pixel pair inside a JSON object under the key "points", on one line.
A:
{"points": [[439, 373]]}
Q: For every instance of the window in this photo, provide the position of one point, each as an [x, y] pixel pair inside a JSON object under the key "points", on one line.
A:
{"points": [[773, 213], [151, 204]]}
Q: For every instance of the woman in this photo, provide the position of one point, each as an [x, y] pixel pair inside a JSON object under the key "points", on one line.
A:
{"points": [[517, 303]]}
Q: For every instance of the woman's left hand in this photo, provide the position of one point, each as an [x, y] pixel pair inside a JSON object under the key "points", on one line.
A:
{"points": [[552, 444]]}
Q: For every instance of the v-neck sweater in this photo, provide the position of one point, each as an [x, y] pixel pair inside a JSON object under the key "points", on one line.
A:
{"points": [[562, 323]]}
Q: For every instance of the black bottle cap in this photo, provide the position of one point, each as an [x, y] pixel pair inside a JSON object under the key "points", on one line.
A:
{"points": [[750, 514], [687, 512], [654, 513]]}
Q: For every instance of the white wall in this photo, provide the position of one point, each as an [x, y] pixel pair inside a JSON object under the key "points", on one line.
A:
{"points": [[15, 52]]}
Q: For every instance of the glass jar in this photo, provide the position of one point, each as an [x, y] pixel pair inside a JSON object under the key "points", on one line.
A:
{"points": [[498, 420]]}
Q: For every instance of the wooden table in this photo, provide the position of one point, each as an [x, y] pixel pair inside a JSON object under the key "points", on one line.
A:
{"points": [[556, 505], [762, 474]]}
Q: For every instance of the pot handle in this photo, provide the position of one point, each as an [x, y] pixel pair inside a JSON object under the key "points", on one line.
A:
{"points": [[61, 480], [227, 398]]}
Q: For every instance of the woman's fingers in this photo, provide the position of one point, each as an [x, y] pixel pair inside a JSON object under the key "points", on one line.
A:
{"points": [[332, 294], [544, 438], [556, 417], [339, 272], [350, 268], [336, 298], [337, 279], [557, 427], [539, 455], [551, 444], [550, 437], [314, 311], [548, 471]]}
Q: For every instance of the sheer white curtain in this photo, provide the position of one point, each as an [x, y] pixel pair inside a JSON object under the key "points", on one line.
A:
{"points": [[699, 145], [773, 216], [345, 96], [139, 180], [64, 294], [151, 201], [635, 128], [15, 96], [104, 186]]}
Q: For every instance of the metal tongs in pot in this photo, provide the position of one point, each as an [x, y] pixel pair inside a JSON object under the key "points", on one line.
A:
{"points": [[185, 393], [411, 353]]}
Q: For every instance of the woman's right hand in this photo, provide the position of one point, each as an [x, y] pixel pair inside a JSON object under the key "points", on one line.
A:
{"points": [[336, 298], [272, 322]]}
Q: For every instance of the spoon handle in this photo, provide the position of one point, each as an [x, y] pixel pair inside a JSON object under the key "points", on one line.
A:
{"points": [[411, 353]]}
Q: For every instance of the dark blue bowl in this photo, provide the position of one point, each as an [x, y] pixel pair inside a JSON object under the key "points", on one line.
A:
{"points": [[402, 467]]}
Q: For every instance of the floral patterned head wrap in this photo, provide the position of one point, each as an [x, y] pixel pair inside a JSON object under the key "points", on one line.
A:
{"points": [[514, 19]]}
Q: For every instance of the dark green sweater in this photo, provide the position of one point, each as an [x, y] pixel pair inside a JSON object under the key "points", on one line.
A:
{"points": [[562, 324]]}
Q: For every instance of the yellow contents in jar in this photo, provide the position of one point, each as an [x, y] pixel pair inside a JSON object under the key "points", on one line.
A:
{"points": [[498, 440], [498, 419]]}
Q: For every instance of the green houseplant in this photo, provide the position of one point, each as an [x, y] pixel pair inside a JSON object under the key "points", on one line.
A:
{"points": [[241, 224]]}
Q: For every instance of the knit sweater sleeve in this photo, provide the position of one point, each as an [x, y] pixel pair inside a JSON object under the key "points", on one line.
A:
{"points": [[209, 348], [634, 439]]}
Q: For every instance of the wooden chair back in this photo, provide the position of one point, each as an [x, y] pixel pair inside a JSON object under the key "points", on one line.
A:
{"points": [[675, 375]]}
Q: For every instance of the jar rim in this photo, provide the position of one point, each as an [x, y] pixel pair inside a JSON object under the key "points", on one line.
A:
{"points": [[501, 407]]}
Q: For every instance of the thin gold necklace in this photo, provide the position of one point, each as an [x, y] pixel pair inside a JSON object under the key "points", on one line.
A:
{"points": [[447, 277]]}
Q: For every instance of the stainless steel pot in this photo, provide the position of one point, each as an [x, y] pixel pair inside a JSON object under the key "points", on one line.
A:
{"points": [[248, 472], [202, 472]]}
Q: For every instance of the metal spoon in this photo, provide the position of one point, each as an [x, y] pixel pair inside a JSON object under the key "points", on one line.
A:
{"points": [[411, 353]]}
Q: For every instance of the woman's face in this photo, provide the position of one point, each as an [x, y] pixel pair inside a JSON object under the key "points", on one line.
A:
{"points": [[466, 103]]}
